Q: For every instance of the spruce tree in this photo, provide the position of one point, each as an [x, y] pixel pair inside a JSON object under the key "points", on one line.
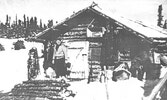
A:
{"points": [[27, 33], [40, 24], [7, 20], [50, 23], [24, 17], [16, 19], [19, 22], [28, 22], [35, 22], [160, 16], [31, 22], [45, 26]]}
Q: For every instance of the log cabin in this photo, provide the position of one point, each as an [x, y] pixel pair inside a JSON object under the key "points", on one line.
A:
{"points": [[96, 38]]}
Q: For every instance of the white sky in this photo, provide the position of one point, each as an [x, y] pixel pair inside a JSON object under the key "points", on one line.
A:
{"points": [[144, 10]]}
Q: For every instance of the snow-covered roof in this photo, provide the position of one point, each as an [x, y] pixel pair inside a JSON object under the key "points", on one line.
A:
{"points": [[138, 26]]}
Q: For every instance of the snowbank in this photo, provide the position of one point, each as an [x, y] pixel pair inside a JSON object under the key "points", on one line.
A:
{"points": [[126, 90], [122, 90], [13, 67]]}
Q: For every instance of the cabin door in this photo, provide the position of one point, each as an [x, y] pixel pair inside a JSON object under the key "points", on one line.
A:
{"points": [[78, 56]]}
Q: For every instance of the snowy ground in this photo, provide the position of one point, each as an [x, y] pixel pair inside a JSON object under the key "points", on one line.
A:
{"points": [[13, 70], [123, 90]]}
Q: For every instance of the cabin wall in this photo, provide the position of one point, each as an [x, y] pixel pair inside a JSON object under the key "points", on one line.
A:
{"points": [[134, 44], [122, 45]]}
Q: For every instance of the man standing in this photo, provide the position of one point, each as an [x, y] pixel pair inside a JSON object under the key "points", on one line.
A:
{"points": [[59, 58], [47, 55]]}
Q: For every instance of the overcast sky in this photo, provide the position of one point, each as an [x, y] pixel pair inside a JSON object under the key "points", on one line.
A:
{"points": [[143, 10]]}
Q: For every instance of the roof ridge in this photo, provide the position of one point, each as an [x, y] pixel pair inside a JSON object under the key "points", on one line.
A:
{"points": [[78, 12]]}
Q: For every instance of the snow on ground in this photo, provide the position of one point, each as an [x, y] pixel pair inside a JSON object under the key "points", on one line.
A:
{"points": [[13, 67], [13, 70], [126, 90], [123, 90]]}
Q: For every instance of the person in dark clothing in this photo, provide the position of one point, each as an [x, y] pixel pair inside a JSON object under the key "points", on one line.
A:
{"points": [[137, 68], [152, 70], [48, 55], [59, 58], [147, 66]]}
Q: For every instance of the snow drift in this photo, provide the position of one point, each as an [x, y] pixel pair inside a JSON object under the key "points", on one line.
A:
{"points": [[13, 67]]}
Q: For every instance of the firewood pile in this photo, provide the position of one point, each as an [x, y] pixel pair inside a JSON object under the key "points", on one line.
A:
{"points": [[50, 89]]}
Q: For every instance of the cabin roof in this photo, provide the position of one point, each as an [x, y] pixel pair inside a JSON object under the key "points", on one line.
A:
{"points": [[136, 27]]}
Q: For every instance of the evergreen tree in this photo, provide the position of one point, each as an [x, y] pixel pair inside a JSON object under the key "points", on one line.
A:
{"points": [[19, 22], [26, 27], [45, 26], [160, 16], [28, 22], [35, 22], [7, 20], [24, 17], [16, 19], [27, 33], [31, 23], [50, 23], [40, 24]]}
